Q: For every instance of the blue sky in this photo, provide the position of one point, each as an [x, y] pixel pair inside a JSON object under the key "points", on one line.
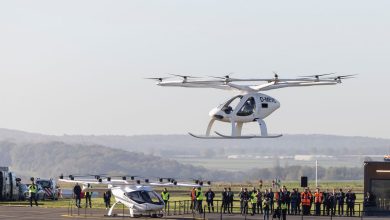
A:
{"points": [[78, 67]]}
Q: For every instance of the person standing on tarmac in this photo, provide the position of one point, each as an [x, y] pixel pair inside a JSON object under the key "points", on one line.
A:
{"points": [[266, 206], [165, 197], [230, 200], [318, 199], [225, 200], [210, 199], [240, 195], [199, 199], [305, 200], [271, 197], [340, 201], [294, 202], [283, 207], [259, 202], [88, 196], [33, 189], [107, 199], [350, 200], [193, 197], [325, 202], [253, 199], [246, 197], [332, 203], [77, 194]]}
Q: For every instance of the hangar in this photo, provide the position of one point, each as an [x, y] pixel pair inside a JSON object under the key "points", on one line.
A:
{"points": [[377, 183]]}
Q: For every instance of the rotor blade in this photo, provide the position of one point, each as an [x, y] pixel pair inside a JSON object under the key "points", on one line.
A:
{"points": [[222, 77], [316, 76], [184, 76], [344, 76], [349, 76], [160, 79]]}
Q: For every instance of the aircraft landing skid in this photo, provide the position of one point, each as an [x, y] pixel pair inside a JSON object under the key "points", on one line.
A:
{"points": [[248, 137], [222, 136], [205, 137]]}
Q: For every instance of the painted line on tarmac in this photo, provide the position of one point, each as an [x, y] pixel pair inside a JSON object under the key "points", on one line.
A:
{"points": [[7, 216]]}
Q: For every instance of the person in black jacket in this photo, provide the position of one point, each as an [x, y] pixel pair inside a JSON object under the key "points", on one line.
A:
{"points": [[340, 201], [77, 194], [225, 200], [245, 198], [294, 202], [230, 200], [210, 199], [325, 207], [350, 198], [107, 199], [332, 202]]}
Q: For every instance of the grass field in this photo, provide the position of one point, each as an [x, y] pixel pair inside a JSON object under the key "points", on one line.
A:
{"points": [[242, 164]]}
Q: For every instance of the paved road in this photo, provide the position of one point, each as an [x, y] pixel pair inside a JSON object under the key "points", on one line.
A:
{"points": [[39, 213]]}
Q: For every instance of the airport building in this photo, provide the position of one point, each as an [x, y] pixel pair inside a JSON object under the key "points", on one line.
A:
{"points": [[377, 183]]}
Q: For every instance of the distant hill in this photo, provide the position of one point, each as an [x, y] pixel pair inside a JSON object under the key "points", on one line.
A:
{"points": [[39, 155], [50, 159], [173, 145]]}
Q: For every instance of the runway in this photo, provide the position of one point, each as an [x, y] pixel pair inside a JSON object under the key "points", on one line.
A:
{"points": [[39, 213]]}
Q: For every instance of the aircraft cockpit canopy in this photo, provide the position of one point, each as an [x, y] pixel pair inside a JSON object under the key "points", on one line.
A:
{"points": [[143, 196], [248, 108], [231, 104]]}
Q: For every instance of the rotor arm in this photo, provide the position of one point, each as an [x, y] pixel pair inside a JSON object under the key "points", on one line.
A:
{"points": [[296, 84]]}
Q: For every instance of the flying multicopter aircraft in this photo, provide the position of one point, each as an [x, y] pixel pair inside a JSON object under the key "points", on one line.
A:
{"points": [[250, 105], [139, 197]]}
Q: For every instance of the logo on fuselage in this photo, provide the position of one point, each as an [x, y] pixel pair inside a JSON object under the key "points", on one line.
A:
{"points": [[267, 99]]}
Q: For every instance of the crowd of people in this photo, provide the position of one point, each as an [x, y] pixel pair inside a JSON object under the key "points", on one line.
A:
{"points": [[77, 193], [280, 203]]}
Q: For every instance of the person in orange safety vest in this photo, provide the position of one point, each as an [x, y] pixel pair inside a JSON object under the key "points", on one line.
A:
{"points": [[305, 201], [318, 198]]}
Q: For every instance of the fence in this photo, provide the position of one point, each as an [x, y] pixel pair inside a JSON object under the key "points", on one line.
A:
{"points": [[186, 207]]}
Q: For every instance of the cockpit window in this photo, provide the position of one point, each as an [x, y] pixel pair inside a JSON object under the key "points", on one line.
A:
{"points": [[145, 197], [248, 108], [231, 104]]}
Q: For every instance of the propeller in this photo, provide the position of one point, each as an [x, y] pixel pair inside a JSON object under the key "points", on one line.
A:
{"points": [[185, 77], [159, 79], [276, 76], [225, 78], [349, 76]]}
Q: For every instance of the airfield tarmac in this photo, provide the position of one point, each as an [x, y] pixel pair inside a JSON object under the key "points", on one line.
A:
{"points": [[38, 213]]}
